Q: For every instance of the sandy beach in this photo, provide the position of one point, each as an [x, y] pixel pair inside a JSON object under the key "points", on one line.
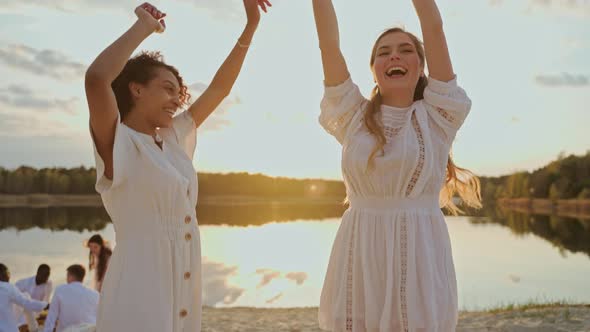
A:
{"points": [[570, 318]]}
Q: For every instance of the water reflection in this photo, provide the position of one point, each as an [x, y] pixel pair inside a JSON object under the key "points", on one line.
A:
{"points": [[568, 234], [217, 288], [55, 218], [96, 218], [500, 256]]}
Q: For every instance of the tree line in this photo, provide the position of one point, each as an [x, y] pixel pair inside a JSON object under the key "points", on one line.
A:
{"points": [[567, 177], [78, 181]]}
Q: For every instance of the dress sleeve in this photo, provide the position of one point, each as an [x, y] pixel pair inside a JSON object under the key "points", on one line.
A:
{"points": [[186, 132], [338, 107], [124, 155], [447, 105]]}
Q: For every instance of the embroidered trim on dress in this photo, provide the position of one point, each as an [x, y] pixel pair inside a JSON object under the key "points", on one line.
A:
{"points": [[349, 324], [404, 272], [418, 170], [445, 114], [390, 132], [342, 121]]}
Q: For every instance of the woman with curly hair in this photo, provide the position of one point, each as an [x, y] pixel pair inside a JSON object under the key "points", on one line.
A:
{"points": [[145, 175], [391, 266]]}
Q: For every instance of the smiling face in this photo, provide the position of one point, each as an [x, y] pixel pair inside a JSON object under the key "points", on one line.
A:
{"points": [[158, 99], [397, 62]]}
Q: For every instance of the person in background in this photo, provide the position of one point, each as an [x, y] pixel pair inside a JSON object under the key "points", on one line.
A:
{"points": [[73, 304], [39, 288], [10, 296], [98, 259]]}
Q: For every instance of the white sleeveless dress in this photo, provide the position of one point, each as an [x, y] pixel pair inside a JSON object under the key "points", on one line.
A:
{"points": [[153, 283], [391, 266]]}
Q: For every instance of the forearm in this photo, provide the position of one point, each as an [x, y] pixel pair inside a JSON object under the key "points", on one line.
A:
{"points": [[228, 72], [28, 303], [111, 61], [326, 25], [435, 43], [428, 14]]}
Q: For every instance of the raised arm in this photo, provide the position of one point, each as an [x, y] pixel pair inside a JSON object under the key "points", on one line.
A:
{"points": [[435, 43], [335, 69], [103, 71], [26, 302], [228, 72]]}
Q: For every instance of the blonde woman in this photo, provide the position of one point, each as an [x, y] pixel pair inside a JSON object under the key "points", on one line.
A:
{"points": [[391, 266]]}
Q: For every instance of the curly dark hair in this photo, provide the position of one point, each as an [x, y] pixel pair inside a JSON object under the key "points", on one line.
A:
{"points": [[140, 69]]}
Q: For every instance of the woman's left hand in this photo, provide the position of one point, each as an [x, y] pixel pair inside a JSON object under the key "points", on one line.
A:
{"points": [[253, 9]]}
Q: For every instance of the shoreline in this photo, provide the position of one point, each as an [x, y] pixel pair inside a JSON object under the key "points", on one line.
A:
{"points": [[575, 208], [94, 200], [546, 318]]}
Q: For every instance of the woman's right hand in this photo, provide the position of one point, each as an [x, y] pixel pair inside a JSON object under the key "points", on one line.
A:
{"points": [[151, 17]]}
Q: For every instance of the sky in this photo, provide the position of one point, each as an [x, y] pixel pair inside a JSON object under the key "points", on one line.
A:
{"points": [[524, 64]]}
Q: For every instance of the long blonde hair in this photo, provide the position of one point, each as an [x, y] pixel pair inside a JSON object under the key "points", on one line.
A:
{"points": [[459, 180]]}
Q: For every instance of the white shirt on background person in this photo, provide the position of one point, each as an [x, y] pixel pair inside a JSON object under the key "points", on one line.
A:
{"points": [[37, 292], [72, 304], [10, 295]]}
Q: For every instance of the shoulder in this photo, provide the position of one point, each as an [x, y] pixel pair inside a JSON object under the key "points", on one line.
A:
{"points": [[93, 294], [61, 288], [8, 287], [24, 281]]}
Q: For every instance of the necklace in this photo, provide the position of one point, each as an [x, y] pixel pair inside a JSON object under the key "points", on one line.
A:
{"points": [[158, 139]]}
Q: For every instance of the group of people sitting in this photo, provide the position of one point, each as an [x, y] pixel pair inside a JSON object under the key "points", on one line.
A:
{"points": [[72, 306]]}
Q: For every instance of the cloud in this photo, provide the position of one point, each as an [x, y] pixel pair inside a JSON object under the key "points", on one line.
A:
{"points": [[222, 9], [274, 298], [218, 119], [565, 79], [570, 7], [28, 126], [575, 7], [267, 276], [70, 5], [216, 288], [21, 97], [24, 113], [514, 278], [298, 277], [46, 62], [575, 43], [570, 4]]}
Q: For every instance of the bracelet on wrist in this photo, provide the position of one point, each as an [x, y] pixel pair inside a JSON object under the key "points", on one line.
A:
{"points": [[243, 45]]}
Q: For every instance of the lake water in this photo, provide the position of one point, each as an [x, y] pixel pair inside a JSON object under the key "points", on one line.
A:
{"points": [[276, 256]]}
